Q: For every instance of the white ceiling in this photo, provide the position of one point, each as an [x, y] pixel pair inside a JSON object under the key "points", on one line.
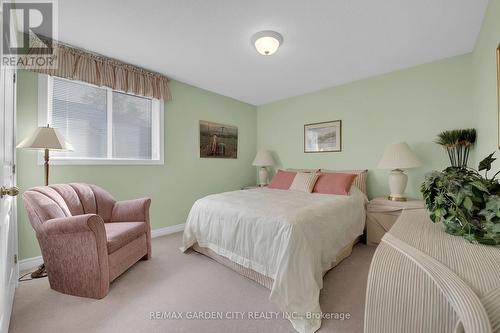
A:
{"points": [[206, 43]]}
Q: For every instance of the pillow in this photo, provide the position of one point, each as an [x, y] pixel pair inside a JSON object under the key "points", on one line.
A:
{"points": [[282, 180], [304, 182], [359, 182], [334, 183]]}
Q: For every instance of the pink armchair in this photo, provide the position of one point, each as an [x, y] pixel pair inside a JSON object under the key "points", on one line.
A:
{"points": [[87, 238]]}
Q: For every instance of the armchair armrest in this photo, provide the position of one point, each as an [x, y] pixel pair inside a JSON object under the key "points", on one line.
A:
{"points": [[131, 211], [75, 253], [74, 224]]}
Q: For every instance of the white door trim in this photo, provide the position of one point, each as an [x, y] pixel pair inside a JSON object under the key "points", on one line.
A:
{"points": [[9, 268]]}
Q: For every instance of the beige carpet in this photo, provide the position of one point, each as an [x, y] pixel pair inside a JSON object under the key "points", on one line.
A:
{"points": [[173, 281]]}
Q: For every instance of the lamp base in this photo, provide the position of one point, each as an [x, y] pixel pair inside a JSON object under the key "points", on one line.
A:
{"points": [[46, 167], [397, 185], [40, 272], [396, 198], [263, 176]]}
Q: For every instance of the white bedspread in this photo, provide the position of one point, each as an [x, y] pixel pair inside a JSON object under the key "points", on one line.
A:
{"points": [[292, 237]]}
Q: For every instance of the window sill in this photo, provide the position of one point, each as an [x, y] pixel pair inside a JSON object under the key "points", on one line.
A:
{"points": [[98, 161]]}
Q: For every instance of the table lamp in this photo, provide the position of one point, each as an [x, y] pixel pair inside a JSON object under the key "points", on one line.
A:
{"points": [[398, 157], [46, 138], [263, 159]]}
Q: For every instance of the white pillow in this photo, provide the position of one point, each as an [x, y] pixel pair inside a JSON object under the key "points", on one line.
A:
{"points": [[304, 182]]}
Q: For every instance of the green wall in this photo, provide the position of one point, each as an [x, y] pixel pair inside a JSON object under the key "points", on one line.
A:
{"points": [[411, 105], [173, 187], [485, 84]]}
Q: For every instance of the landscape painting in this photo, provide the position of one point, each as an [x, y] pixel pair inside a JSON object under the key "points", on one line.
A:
{"points": [[323, 137], [218, 140]]}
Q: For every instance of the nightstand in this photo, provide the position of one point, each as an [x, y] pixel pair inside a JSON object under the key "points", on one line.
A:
{"points": [[382, 213], [249, 187]]}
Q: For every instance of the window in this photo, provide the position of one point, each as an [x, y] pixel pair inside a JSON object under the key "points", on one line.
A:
{"points": [[103, 126]]}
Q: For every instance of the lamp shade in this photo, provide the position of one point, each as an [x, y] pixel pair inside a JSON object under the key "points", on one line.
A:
{"points": [[263, 158], [45, 138], [399, 156]]}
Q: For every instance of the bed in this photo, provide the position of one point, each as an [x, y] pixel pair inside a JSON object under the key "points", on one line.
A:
{"points": [[284, 240]]}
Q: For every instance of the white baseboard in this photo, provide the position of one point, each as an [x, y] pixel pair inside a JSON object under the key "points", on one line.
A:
{"points": [[30, 263], [34, 262], [167, 230]]}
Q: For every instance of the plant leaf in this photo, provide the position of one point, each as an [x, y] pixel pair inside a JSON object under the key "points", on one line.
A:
{"points": [[468, 203], [480, 186], [485, 164]]}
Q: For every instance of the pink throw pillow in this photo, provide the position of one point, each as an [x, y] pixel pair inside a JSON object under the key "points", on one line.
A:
{"points": [[282, 180], [334, 183]]}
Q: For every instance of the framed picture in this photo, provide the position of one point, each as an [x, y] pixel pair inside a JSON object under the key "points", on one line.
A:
{"points": [[498, 88], [323, 137], [218, 140]]}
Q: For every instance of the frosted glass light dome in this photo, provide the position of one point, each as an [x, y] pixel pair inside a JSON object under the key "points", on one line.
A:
{"points": [[267, 42]]}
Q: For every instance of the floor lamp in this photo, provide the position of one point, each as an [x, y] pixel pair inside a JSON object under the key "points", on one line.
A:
{"points": [[46, 139]]}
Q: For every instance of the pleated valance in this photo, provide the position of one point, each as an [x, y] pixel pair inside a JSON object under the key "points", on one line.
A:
{"points": [[77, 64]]}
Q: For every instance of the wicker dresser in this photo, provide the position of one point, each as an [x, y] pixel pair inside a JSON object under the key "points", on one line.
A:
{"points": [[424, 280]]}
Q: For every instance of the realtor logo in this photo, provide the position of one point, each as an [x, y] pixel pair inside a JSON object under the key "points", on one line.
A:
{"points": [[29, 29]]}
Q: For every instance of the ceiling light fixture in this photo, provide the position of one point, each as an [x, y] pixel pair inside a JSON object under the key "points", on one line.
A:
{"points": [[267, 42]]}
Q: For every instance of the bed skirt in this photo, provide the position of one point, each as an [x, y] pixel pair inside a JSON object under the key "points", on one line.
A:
{"points": [[262, 279]]}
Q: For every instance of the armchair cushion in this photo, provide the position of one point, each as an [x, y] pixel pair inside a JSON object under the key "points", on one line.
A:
{"points": [[71, 199], [41, 206], [119, 234], [104, 202], [86, 196]]}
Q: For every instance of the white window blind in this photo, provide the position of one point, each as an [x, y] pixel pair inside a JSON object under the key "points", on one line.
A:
{"points": [[80, 113], [132, 124], [103, 125]]}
